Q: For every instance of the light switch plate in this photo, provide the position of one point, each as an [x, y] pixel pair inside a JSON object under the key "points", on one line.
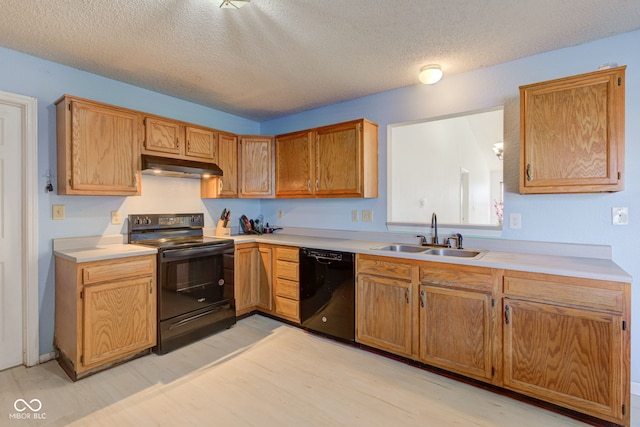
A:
{"points": [[367, 215], [354, 215], [116, 218], [57, 212], [620, 216]]}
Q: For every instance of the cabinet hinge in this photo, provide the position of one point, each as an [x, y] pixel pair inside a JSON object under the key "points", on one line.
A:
{"points": [[624, 410], [619, 81], [624, 325], [69, 107]]}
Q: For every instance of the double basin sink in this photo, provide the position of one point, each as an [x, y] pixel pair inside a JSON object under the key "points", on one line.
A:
{"points": [[431, 250]]}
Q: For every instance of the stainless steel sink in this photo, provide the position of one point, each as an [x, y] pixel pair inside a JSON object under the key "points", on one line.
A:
{"points": [[463, 253], [402, 248]]}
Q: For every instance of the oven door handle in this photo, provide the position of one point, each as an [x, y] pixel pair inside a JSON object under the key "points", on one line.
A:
{"points": [[174, 254]]}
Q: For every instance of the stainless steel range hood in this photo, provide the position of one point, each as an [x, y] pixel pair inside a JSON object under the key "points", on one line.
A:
{"points": [[165, 166]]}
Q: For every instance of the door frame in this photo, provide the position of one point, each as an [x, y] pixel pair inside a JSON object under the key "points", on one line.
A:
{"points": [[29, 179]]}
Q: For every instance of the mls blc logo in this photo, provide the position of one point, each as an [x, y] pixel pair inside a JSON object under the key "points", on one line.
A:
{"points": [[27, 410]]}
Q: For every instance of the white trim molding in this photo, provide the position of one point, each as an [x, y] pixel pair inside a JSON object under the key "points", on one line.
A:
{"points": [[30, 312]]}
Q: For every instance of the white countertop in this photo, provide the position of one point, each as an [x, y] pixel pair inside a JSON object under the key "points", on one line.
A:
{"points": [[590, 268], [97, 248]]}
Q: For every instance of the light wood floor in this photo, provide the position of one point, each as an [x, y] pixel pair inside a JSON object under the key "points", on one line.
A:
{"points": [[263, 373]]}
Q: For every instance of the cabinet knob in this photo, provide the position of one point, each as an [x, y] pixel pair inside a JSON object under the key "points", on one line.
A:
{"points": [[528, 171]]}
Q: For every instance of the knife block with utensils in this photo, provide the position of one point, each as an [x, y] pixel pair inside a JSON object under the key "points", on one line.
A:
{"points": [[222, 230]]}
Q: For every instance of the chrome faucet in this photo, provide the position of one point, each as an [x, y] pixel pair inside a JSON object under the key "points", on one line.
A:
{"points": [[434, 229]]}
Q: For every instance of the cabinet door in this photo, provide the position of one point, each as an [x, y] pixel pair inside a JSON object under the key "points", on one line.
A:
{"points": [[246, 261], [119, 318], [565, 355], [228, 162], [162, 136], [104, 157], [264, 297], [455, 331], [256, 167], [201, 144], [572, 134], [338, 162], [294, 165], [383, 314]]}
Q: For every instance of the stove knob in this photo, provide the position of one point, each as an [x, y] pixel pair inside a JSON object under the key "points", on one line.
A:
{"points": [[146, 221], [137, 221]]}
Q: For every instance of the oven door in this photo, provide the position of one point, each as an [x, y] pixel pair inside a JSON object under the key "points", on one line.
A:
{"points": [[193, 279]]}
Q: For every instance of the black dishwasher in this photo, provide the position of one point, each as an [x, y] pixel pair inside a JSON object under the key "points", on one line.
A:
{"points": [[327, 293]]}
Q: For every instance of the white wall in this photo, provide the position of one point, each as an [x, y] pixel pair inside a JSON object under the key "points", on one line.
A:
{"points": [[574, 218]]}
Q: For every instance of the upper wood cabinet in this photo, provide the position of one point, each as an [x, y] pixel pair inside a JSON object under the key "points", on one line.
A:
{"points": [[98, 149], [339, 160], [256, 166], [572, 134], [171, 138], [225, 186]]}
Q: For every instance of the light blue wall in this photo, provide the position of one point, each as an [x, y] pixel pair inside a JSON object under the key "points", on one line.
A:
{"points": [[89, 216], [554, 218]]}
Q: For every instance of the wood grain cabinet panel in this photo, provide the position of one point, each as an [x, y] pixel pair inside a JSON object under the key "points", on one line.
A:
{"points": [[256, 167], [162, 136], [200, 144], [572, 134], [339, 160], [455, 331], [105, 312], [98, 148], [566, 341], [384, 314], [287, 282], [294, 176]]}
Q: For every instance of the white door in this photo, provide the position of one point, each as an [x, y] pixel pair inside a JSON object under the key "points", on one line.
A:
{"points": [[11, 244]]}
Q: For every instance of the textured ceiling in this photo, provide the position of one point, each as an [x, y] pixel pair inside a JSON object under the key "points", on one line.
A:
{"points": [[276, 57]]}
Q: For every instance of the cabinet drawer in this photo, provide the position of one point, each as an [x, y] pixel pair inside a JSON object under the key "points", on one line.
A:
{"points": [[288, 254], [287, 288], [588, 293], [288, 308], [383, 267], [287, 270], [117, 269], [479, 279]]}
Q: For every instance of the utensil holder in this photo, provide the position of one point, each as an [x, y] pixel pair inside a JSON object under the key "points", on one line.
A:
{"points": [[221, 230]]}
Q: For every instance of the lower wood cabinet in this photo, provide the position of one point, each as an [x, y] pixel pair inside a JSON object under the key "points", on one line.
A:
{"points": [[105, 311], [286, 283], [563, 340], [457, 320], [385, 304], [566, 341], [253, 281]]}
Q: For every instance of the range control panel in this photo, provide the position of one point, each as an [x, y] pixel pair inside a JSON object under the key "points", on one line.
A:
{"points": [[161, 221]]}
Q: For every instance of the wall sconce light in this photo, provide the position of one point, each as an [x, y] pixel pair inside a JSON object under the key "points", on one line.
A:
{"points": [[430, 74], [498, 148]]}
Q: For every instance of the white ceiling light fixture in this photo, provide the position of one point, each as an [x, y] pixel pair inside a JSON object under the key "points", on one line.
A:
{"points": [[430, 74], [233, 4]]}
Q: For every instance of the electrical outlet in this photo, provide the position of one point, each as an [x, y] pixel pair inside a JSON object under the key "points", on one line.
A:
{"points": [[515, 221], [280, 213], [57, 212], [354, 215], [367, 215], [620, 216], [116, 218]]}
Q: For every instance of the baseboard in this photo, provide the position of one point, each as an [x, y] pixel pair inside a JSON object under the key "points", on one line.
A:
{"points": [[635, 388], [52, 355]]}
